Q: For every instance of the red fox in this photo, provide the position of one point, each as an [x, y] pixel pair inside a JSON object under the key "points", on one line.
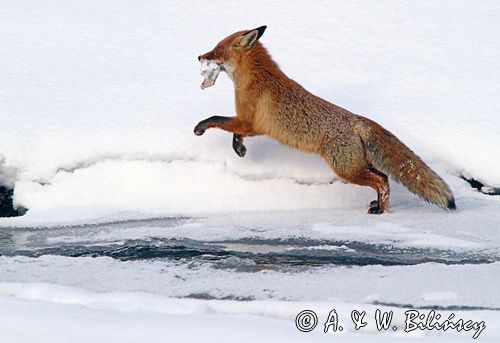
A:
{"points": [[356, 148]]}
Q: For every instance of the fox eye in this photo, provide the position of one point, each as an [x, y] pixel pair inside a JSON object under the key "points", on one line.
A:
{"points": [[217, 52]]}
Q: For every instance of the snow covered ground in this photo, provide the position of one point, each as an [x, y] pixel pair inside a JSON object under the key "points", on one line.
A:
{"points": [[139, 231]]}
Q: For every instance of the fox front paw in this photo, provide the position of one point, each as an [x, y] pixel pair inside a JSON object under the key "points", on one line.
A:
{"points": [[199, 129], [240, 149]]}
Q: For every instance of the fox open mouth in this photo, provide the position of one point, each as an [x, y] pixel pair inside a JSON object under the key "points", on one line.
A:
{"points": [[210, 71]]}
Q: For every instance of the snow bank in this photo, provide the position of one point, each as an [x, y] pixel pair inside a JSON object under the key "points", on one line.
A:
{"points": [[7, 174], [99, 99]]}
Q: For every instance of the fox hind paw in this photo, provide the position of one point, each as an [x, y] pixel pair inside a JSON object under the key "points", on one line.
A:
{"points": [[375, 208]]}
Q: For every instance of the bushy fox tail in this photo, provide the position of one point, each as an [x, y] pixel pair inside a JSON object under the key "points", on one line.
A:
{"points": [[387, 153]]}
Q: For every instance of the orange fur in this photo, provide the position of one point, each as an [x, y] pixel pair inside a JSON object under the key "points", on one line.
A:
{"points": [[356, 148]]}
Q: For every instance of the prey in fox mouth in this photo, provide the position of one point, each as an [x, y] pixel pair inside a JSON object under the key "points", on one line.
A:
{"points": [[210, 70]]}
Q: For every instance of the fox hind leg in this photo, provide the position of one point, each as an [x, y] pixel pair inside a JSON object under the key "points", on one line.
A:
{"points": [[373, 178], [381, 205], [347, 159]]}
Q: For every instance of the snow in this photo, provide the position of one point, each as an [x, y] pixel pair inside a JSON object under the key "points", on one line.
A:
{"points": [[7, 174], [101, 317], [154, 296], [91, 87], [98, 103]]}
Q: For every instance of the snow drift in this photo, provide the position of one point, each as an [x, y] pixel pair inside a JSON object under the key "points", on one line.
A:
{"points": [[99, 100]]}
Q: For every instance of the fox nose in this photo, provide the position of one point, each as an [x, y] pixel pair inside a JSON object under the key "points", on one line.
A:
{"points": [[199, 58]]}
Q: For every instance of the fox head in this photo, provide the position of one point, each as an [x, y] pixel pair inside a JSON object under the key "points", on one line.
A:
{"points": [[229, 51]]}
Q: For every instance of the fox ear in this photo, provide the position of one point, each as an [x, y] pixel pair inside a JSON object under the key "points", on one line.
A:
{"points": [[248, 39]]}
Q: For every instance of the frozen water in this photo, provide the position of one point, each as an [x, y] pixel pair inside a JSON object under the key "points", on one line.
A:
{"points": [[131, 216]]}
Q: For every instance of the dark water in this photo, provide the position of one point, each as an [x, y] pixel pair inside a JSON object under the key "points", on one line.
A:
{"points": [[246, 253]]}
